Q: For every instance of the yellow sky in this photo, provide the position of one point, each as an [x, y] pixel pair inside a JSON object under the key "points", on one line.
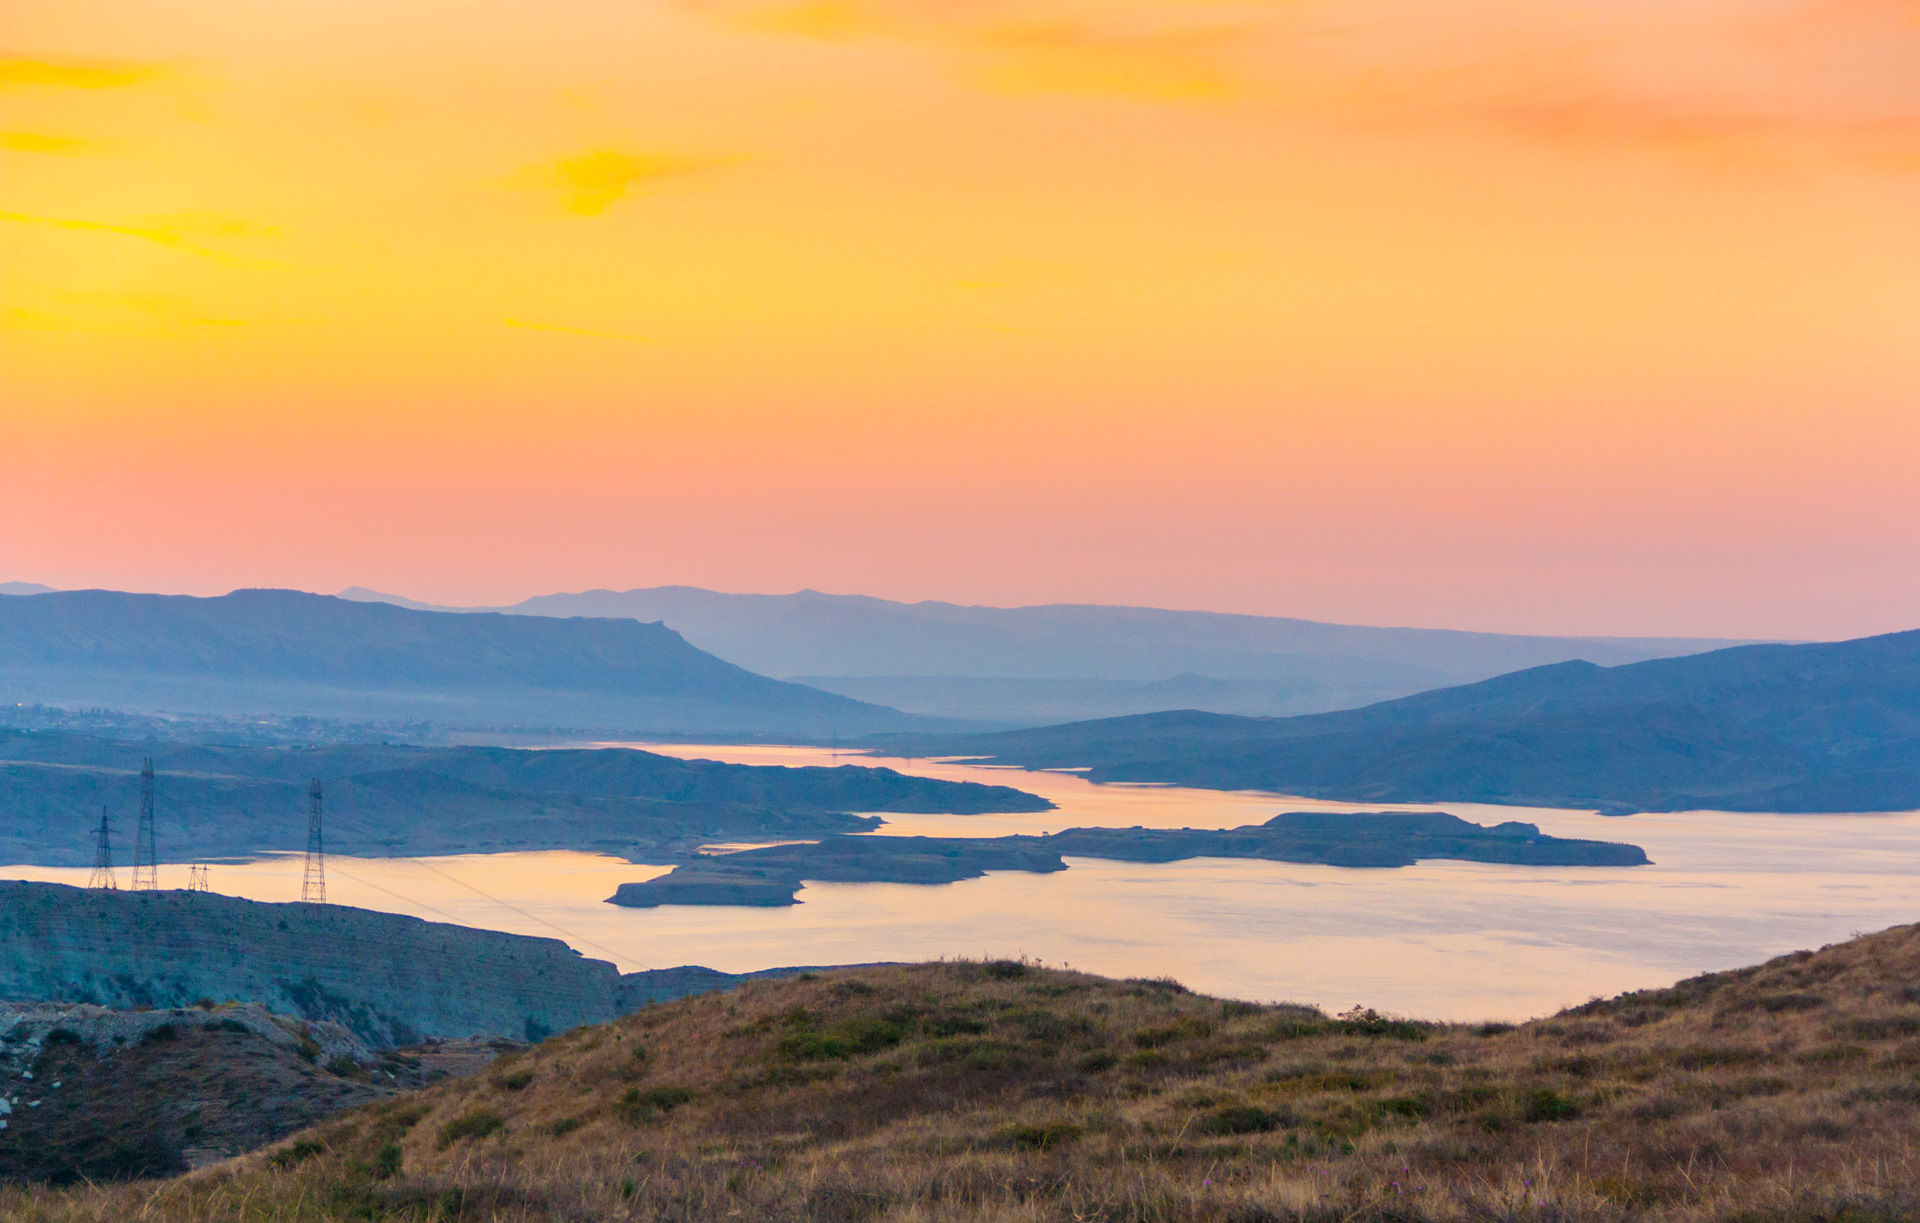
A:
{"points": [[1508, 313]]}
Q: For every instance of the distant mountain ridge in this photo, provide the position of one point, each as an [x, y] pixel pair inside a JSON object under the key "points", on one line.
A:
{"points": [[1821, 727], [1067, 661], [287, 651]]}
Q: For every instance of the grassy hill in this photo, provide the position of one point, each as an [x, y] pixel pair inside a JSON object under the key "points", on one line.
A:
{"points": [[1823, 727], [1001, 1091]]}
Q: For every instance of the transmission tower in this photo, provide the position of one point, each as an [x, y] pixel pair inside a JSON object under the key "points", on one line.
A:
{"points": [[103, 858], [146, 858], [313, 886], [197, 877]]}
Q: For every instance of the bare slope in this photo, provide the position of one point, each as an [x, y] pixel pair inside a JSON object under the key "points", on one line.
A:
{"points": [[1001, 1092], [1823, 727]]}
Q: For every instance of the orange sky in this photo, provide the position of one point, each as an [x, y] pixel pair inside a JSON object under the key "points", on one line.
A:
{"points": [[1507, 314]]}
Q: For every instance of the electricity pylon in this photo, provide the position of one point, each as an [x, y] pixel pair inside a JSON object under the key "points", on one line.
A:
{"points": [[102, 876], [197, 877], [146, 858], [313, 886]]}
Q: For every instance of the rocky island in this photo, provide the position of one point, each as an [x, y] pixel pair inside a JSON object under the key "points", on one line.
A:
{"points": [[773, 875]]}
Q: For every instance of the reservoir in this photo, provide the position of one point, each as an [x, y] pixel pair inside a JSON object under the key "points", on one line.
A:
{"points": [[1443, 940]]}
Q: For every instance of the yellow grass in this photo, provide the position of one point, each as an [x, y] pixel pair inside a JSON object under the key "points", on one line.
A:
{"points": [[967, 1091]]}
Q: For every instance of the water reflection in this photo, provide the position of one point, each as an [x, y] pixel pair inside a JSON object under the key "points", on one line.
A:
{"points": [[1442, 939]]}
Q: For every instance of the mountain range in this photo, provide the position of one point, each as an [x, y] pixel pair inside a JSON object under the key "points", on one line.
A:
{"points": [[283, 651], [1821, 727], [1036, 665]]}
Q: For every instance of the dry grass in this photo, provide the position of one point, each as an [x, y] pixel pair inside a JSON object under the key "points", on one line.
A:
{"points": [[963, 1091]]}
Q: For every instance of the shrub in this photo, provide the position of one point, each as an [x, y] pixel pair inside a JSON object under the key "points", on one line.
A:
{"points": [[1038, 1137], [1004, 970], [1544, 1104], [516, 1081], [639, 1105], [1370, 1022], [161, 1034], [387, 1160], [1095, 1062], [1164, 985], [299, 1152], [565, 1126], [343, 1066], [1244, 1119], [476, 1124], [61, 1036], [850, 1038]]}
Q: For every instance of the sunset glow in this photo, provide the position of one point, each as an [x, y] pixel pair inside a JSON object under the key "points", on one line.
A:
{"points": [[1532, 316]]}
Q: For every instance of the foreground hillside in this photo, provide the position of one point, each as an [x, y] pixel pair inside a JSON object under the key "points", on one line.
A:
{"points": [[1824, 727], [1002, 1091]]}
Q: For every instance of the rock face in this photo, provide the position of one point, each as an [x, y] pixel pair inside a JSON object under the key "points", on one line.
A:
{"points": [[390, 980]]}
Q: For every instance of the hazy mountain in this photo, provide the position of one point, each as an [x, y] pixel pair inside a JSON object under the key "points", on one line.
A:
{"points": [[1063, 661], [1824, 727], [24, 588], [280, 651]]}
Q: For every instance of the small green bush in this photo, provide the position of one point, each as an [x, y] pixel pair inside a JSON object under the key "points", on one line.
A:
{"points": [[1243, 1119], [476, 1124], [1039, 1137], [1544, 1104], [645, 1104], [299, 1152], [387, 1160]]}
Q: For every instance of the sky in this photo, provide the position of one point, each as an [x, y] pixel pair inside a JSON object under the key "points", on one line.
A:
{"points": [[1514, 315]]}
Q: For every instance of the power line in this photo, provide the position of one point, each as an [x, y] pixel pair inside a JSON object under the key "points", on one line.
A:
{"points": [[102, 876], [570, 936], [146, 858], [313, 885]]}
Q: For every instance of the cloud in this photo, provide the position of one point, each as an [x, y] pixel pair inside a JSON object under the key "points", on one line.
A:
{"points": [[73, 73], [34, 142], [1124, 48], [1715, 80], [594, 181], [167, 232]]}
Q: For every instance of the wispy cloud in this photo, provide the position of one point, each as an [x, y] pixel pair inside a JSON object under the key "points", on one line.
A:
{"points": [[60, 73], [592, 182], [1719, 80], [35, 142], [170, 232]]}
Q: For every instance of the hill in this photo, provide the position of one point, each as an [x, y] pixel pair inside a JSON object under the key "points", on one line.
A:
{"points": [[1037, 665], [281, 651], [387, 979], [1003, 1091], [214, 801], [110, 1094], [1822, 727]]}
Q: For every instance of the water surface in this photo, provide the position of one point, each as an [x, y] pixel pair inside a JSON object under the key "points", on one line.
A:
{"points": [[1441, 939]]}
